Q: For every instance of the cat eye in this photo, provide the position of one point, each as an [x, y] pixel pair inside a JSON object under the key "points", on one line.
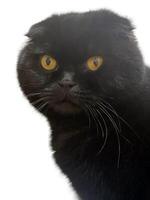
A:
{"points": [[48, 62], [95, 62]]}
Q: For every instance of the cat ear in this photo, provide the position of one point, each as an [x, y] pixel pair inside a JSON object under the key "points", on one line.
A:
{"points": [[35, 31], [115, 21], [126, 24], [125, 29]]}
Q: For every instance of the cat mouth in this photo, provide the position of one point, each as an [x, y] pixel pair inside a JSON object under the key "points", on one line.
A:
{"points": [[68, 104]]}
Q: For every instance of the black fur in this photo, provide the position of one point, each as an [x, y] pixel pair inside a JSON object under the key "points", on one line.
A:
{"points": [[101, 133]]}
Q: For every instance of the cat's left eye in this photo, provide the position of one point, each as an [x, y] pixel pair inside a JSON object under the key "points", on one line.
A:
{"points": [[95, 62], [48, 62]]}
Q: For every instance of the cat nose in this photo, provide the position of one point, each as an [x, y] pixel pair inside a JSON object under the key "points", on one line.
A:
{"points": [[66, 84]]}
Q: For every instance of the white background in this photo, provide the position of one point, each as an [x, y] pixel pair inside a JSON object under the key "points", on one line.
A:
{"points": [[27, 170]]}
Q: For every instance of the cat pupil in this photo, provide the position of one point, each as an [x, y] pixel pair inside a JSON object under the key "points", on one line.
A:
{"points": [[95, 62], [48, 61]]}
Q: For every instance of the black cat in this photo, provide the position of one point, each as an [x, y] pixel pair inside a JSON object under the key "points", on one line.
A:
{"points": [[86, 74]]}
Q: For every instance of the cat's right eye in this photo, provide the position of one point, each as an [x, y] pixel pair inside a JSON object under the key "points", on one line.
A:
{"points": [[48, 63], [94, 63]]}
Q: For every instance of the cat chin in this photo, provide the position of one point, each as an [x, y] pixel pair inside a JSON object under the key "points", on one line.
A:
{"points": [[66, 108]]}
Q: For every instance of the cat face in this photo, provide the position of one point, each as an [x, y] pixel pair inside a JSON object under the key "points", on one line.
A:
{"points": [[73, 59]]}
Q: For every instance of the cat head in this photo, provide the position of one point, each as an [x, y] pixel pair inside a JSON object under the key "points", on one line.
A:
{"points": [[74, 59]]}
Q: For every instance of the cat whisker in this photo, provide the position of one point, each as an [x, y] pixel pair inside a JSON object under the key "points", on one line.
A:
{"points": [[102, 120], [113, 111], [106, 133], [33, 94], [93, 111], [103, 145], [87, 112], [102, 130], [110, 116], [39, 93], [43, 105], [99, 122], [123, 120], [116, 130], [93, 117], [39, 100], [126, 139]]}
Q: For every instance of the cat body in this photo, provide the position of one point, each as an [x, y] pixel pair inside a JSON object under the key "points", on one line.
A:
{"points": [[99, 117]]}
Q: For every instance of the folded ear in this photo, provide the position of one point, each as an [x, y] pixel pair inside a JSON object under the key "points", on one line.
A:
{"points": [[116, 21], [36, 31], [126, 24]]}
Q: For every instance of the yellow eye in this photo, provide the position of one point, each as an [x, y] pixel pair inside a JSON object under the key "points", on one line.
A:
{"points": [[48, 63], [95, 62]]}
